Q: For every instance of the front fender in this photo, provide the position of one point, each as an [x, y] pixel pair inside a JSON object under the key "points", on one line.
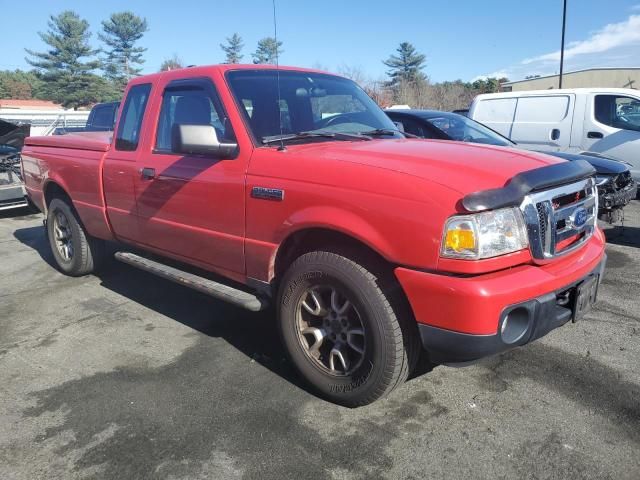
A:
{"points": [[339, 220]]}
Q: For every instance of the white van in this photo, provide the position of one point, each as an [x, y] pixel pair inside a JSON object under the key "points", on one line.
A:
{"points": [[601, 120]]}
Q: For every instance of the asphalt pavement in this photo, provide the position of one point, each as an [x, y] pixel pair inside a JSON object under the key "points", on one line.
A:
{"points": [[123, 375]]}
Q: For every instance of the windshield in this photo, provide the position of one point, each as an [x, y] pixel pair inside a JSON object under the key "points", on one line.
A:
{"points": [[308, 102], [464, 129]]}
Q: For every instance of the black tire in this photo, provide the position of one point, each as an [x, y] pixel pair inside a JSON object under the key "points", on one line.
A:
{"points": [[390, 344], [86, 254]]}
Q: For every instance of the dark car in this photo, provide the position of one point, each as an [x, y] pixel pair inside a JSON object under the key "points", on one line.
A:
{"points": [[102, 118], [12, 191], [616, 188]]}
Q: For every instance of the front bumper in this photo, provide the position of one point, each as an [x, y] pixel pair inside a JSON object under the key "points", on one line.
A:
{"points": [[540, 315], [459, 318]]}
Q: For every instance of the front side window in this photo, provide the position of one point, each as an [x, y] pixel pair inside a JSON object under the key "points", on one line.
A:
{"points": [[190, 105], [306, 102], [618, 111], [131, 120]]}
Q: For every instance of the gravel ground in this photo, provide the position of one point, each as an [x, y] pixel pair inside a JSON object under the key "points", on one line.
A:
{"points": [[124, 375]]}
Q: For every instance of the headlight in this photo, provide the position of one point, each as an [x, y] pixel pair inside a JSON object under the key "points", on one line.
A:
{"points": [[484, 235], [602, 179]]}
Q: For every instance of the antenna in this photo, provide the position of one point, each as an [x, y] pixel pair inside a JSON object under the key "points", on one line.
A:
{"points": [[281, 148]]}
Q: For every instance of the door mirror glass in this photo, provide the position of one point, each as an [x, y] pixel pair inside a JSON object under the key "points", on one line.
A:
{"points": [[200, 140]]}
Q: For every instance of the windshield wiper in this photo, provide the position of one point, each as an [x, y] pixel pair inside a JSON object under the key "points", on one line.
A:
{"points": [[378, 132], [313, 134]]}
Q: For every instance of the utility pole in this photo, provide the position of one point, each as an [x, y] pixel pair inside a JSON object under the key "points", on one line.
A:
{"points": [[564, 26]]}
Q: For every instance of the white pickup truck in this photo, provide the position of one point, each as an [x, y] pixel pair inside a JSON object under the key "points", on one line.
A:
{"points": [[600, 120]]}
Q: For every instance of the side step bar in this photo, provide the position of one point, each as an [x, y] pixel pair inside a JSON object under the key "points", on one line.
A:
{"points": [[209, 287]]}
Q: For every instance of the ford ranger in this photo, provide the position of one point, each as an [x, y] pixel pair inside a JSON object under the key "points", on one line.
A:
{"points": [[291, 188]]}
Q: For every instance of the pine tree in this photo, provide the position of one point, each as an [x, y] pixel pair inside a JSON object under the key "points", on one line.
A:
{"points": [[123, 58], [407, 66], [233, 49], [268, 51], [67, 66]]}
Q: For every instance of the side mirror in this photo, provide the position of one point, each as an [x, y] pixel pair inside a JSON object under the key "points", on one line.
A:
{"points": [[200, 140]]}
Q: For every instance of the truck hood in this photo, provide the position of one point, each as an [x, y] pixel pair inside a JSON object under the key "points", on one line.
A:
{"points": [[463, 167]]}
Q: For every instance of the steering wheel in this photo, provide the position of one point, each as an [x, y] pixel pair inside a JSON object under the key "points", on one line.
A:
{"points": [[338, 119]]}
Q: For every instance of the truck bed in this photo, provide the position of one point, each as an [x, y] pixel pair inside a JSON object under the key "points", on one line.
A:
{"points": [[94, 141], [73, 162]]}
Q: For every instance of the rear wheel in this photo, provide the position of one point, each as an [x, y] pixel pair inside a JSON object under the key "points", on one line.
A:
{"points": [[76, 252], [345, 333]]}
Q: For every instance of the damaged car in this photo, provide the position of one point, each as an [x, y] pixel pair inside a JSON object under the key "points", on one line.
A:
{"points": [[12, 190], [616, 187]]}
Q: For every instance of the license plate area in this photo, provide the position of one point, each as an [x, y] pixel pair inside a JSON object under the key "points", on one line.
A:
{"points": [[584, 297]]}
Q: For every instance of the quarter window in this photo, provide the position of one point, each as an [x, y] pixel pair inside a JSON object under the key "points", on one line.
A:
{"points": [[131, 119], [618, 111]]}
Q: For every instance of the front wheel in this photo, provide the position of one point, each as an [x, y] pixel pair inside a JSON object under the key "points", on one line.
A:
{"points": [[76, 253], [345, 332]]}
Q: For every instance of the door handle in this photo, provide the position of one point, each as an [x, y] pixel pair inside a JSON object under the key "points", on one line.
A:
{"points": [[555, 134], [147, 173], [595, 135]]}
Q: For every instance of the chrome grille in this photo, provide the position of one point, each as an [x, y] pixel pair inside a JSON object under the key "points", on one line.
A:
{"points": [[554, 217]]}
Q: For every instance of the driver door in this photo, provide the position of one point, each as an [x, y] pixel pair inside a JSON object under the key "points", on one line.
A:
{"points": [[612, 127], [189, 206]]}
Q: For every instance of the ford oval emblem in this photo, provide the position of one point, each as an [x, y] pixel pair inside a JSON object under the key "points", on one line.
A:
{"points": [[580, 217]]}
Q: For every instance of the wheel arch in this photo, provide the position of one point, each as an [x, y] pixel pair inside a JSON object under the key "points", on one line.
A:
{"points": [[332, 239], [53, 189]]}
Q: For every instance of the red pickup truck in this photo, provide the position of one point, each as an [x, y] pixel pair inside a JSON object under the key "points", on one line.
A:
{"points": [[290, 187]]}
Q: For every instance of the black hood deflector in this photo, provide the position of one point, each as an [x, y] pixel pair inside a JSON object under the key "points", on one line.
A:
{"points": [[513, 193]]}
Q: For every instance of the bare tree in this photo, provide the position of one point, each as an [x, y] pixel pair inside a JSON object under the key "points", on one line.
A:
{"points": [[355, 73], [171, 63]]}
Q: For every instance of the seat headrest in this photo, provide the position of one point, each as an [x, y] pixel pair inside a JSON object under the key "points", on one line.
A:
{"points": [[192, 110]]}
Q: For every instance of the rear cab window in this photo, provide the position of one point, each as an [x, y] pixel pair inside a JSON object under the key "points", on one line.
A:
{"points": [[128, 134]]}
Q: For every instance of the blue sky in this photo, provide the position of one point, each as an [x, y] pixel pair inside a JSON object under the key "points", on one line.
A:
{"points": [[465, 39]]}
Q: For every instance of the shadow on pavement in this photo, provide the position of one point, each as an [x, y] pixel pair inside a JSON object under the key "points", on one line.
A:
{"points": [[254, 334], [20, 213], [623, 235]]}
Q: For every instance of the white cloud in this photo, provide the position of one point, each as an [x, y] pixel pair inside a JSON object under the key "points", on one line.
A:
{"points": [[611, 36], [619, 41], [497, 74]]}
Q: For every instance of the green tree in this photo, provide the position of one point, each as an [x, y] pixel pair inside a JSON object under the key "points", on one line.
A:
{"points": [[171, 63], [233, 49], [20, 85], [68, 64], [123, 58], [407, 65], [488, 85], [268, 50]]}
